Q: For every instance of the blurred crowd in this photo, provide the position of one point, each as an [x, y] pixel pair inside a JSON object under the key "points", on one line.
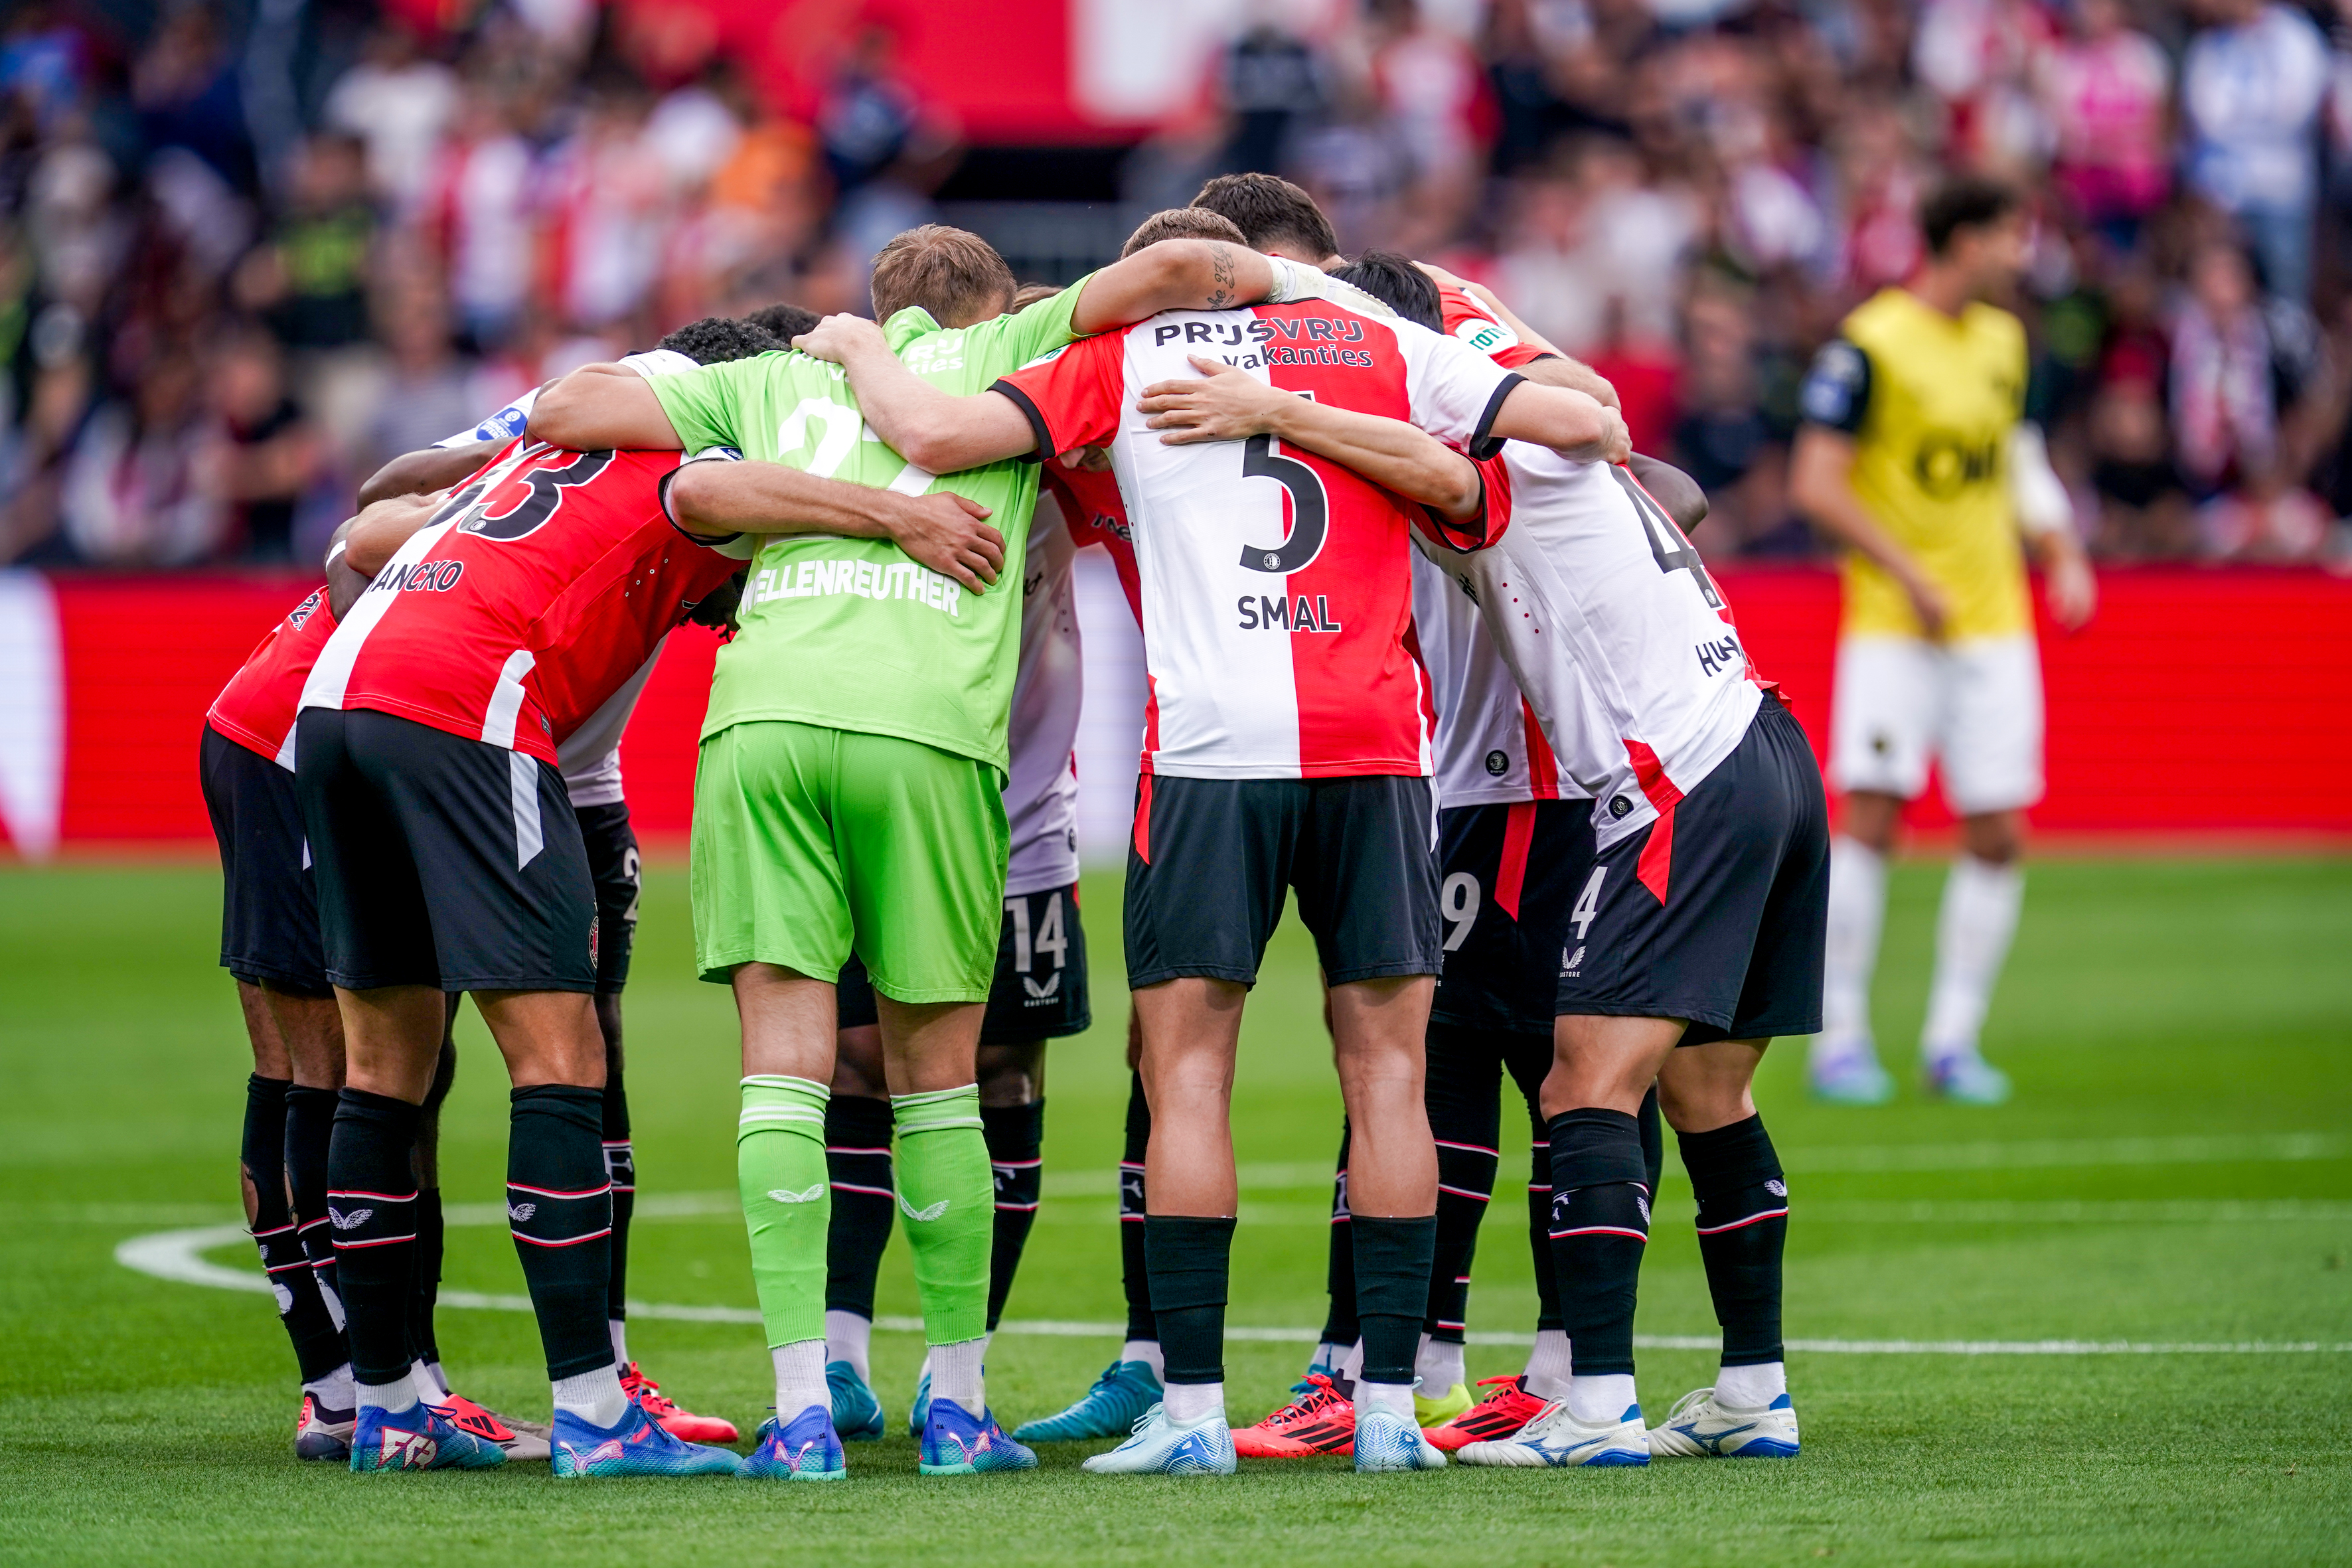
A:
{"points": [[249, 251]]}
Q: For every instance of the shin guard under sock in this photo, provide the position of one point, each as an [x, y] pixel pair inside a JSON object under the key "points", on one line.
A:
{"points": [[1191, 1259], [1134, 1274], [560, 1209], [1015, 1135], [1342, 1326], [947, 1197], [1600, 1229], [787, 1201], [370, 1213], [317, 1343], [310, 1126], [621, 1169], [1743, 1227], [1391, 1261], [857, 1165]]}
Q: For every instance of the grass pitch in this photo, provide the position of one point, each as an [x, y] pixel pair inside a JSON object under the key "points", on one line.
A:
{"points": [[2176, 1171]]}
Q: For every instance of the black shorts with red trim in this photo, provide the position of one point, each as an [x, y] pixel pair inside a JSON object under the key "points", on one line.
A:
{"points": [[1039, 991], [442, 860], [614, 867], [1713, 913], [1211, 861], [269, 897], [1509, 874]]}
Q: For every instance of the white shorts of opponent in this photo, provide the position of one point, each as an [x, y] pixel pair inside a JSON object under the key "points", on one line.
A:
{"points": [[1974, 707]]}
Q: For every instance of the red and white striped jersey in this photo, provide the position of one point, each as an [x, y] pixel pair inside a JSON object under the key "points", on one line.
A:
{"points": [[1607, 618], [256, 707], [1490, 748], [1041, 788], [1466, 318], [491, 623], [1277, 586], [1095, 513]]}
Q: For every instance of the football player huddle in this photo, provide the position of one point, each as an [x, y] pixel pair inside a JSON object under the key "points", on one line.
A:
{"points": [[1427, 645]]}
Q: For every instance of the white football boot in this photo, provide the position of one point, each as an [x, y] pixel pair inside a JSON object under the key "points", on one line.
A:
{"points": [[1386, 1441], [1559, 1439], [1700, 1426], [1162, 1447]]}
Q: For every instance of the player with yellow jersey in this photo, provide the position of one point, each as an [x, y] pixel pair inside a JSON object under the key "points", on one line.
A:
{"points": [[1915, 456]]}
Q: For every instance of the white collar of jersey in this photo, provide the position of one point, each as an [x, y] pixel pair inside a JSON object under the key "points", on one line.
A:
{"points": [[660, 362]]}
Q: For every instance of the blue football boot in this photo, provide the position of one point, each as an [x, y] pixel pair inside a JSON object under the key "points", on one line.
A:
{"points": [[1120, 1396], [637, 1445], [805, 1448], [418, 1438], [856, 1409], [958, 1443]]}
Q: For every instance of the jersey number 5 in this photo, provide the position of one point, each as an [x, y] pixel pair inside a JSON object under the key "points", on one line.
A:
{"points": [[1668, 544], [1310, 510]]}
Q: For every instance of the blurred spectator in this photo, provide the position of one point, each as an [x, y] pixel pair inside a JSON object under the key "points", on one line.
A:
{"points": [[398, 103], [428, 392], [310, 274], [268, 453], [2251, 85], [477, 216], [2107, 89], [1269, 83], [135, 493]]}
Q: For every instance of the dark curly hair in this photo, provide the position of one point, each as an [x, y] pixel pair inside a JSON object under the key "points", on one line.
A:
{"points": [[784, 321], [715, 340], [1396, 282]]}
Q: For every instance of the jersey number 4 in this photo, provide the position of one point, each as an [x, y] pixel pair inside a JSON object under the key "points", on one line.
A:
{"points": [[544, 494], [1310, 509], [1668, 544]]}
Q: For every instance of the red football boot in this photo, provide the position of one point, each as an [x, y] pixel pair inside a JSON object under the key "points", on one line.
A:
{"points": [[683, 1425], [1494, 1418], [1321, 1420]]}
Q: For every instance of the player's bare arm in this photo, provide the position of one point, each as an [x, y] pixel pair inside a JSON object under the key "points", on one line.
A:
{"points": [[2070, 585], [1175, 274], [2045, 516], [593, 411], [1820, 483], [431, 468], [934, 430], [1230, 404], [946, 532], [1576, 425]]}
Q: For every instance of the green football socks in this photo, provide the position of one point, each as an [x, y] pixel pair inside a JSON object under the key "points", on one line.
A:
{"points": [[947, 1196], [788, 1202]]}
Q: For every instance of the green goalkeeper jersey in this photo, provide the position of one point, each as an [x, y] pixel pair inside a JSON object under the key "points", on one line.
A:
{"points": [[851, 632]]}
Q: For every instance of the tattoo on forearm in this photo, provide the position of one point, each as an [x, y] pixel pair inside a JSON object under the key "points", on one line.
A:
{"points": [[1220, 269]]}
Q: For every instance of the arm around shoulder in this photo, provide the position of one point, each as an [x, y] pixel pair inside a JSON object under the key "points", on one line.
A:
{"points": [[591, 410]]}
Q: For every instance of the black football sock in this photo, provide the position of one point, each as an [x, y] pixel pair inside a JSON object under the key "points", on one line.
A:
{"points": [[1391, 1291], [310, 1126], [1017, 1142], [1134, 1274], [1191, 1260], [424, 1344], [1654, 1139], [1743, 1227], [1528, 1057], [620, 1167], [318, 1343], [560, 1209], [1600, 1229], [371, 1203], [1342, 1327], [857, 1164], [1461, 1076]]}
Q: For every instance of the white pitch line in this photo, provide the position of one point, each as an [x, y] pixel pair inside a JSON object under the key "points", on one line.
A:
{"points": [[178, 1255]]}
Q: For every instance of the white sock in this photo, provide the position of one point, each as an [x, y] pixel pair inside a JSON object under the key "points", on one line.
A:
{"points": [[1190, 1403], [1857, 907], [1979, 916], [847, 1337], [619, 1329], [1396, 1398], [334, 1390], [1439, 1366], [1595, 1398], [391, 1398], [428, 1387], [594, 1397], [1351, 1363], [1328, 1357], [1548, 1365], [1751, 1387], [440, 1385], [956, 1373], [800, 1378], [1148, 1353]]}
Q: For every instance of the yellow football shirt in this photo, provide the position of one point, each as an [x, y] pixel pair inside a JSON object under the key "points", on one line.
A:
{"points": [[1930, 401]]}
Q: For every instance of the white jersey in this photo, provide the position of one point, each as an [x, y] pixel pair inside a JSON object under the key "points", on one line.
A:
{"points": [[1041, 794], [1598, 603], [1277, 586], [590, 759], [1490, 748]]}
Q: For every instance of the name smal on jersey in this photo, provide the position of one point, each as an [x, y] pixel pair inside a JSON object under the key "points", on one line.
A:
{"points": [[1260, 613], [860, 578]]}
